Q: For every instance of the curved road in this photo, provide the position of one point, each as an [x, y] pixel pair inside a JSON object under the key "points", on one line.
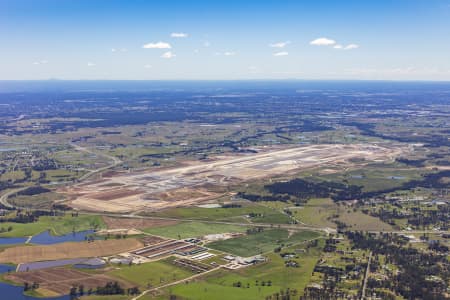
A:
{"points": [[115, 162]]}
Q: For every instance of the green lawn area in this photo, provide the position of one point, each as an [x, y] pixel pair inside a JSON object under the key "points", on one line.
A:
{"points": [[153, 273], [262, 242], [269, 215], [193, 229], [356, 220], [377, 176], [316, 212], [219, 285], [57, 225]]}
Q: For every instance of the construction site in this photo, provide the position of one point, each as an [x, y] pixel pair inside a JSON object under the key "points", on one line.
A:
{"points": [[192, 183]]}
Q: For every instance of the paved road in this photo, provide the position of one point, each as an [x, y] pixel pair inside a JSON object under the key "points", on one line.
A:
{"points": [[115, 161], [5, 196], [366, 276], [175, 282]]}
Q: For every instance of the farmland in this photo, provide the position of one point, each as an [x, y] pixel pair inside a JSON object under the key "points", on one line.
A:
{"points": [[22, 254], [60, 281], [193, 229], [239, 213], [262, 242], [151, 274]]}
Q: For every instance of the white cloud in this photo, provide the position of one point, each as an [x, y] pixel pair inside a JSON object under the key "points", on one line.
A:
{"points": [[229, 53], [168, 54], [282, 53], [206, 44], [280, 44], [179, 35], [348, 47], [90, 64], [329, 42], [119, 50], [158, 45], [323, 42], [351, 46], [40, 62], [147, 66]]}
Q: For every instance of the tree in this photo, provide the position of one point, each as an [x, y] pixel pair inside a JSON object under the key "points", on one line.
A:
{"points": [[81, 290]]}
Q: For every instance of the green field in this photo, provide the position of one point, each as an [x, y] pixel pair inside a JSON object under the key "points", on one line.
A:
{"points": [[376, 177], [217, 284], [265, 241], [238, 214], [152, 273], [193, 229], [322, 212], [44, 200], [316, 212], [57, 225]]}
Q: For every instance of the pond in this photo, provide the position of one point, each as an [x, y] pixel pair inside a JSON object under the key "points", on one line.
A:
{"points": [[12, 292], [45, 238], [12, 240]]}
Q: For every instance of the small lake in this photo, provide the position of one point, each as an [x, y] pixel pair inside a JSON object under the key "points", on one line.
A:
{"points": [[12, 240], [45, 238], [48, 264], [12, 292]]}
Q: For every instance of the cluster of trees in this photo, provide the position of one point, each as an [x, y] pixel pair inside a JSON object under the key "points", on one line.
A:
{"points": [[415, 216], [231, 205], [255, 230], [4, 185], [30, 287], [430, 140], [33, 190], [423, 274], [28, 216], [284, 294], [111, 288], [8, 229], [262, 198], [45, 164], [301, 189]]}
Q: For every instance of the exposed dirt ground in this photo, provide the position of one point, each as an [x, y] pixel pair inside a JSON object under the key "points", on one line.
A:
{"points": [[60, 280], [183, 186], [24, 254]]}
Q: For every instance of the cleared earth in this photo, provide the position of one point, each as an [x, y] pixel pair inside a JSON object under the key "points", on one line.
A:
{"points": [[23, 254], [192, 184]]}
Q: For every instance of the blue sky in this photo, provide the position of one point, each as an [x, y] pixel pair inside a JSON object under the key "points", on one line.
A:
{"points": [[110, 39]]}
